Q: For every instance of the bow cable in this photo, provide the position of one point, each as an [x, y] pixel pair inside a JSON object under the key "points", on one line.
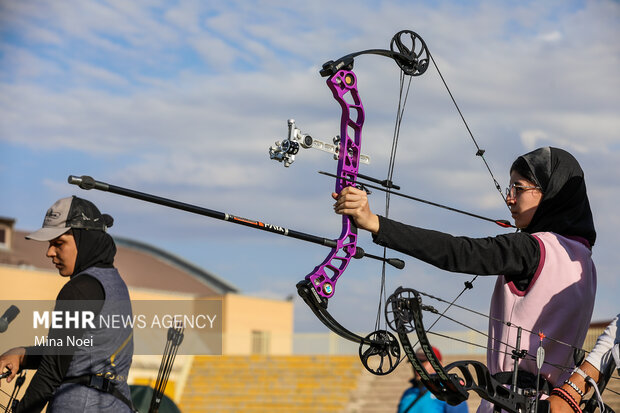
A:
{"points": [[402, 102], [479, 151], [13, 401]]}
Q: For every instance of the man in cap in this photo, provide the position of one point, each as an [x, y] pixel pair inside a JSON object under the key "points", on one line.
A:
{"points": [[80, 378], [417, 399]]}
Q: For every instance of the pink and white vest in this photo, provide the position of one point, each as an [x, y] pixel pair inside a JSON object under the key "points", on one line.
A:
{"points": [[558, 302]]}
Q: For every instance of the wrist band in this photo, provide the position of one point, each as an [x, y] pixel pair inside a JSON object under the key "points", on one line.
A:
{"points": [[574, 387], [589, 380], [582, 374], [564, 395]]}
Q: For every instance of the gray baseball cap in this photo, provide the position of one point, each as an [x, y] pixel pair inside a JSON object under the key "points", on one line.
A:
{"points": [[67, 213]]}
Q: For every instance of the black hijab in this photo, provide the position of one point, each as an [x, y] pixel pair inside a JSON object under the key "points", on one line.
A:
{"points": [[95, 248], [564, 207]]}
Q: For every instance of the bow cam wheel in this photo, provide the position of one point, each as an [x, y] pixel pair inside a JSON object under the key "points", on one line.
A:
{"points": [[398, 311], [380, 352], [415, 53]]}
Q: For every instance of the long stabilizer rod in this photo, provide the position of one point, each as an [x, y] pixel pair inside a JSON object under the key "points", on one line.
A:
{"points": [[87, 183]]}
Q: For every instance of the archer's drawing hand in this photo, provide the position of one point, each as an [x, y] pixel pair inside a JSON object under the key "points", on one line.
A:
{"points": [[11, 360], [354, 202]]}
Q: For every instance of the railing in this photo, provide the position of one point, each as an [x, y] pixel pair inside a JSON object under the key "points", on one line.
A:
{"points": [[331, 344]]}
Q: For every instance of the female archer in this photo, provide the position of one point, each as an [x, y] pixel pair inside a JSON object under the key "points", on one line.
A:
{"points": [[544, 269]]}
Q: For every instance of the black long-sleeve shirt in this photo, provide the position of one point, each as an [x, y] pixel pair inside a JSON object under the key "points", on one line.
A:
{"points": [[515, 255], [51, 368]]}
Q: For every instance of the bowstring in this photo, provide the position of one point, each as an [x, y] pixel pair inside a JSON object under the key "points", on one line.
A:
{"points": [[468, 285], [402, 102], [3, 407], [479, 152]]}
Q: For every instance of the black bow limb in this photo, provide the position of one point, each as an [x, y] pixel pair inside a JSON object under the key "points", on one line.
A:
{"points": [[404, 314], [407, 48]]}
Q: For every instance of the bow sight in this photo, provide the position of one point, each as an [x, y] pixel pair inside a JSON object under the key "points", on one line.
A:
{"points": [[286, 149]]}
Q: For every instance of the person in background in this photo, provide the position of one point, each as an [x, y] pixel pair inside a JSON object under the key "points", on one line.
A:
{"points": [[84, 378], [417, 398]]}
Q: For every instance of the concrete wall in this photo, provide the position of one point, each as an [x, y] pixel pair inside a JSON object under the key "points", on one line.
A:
{"points": [[246, 318]]}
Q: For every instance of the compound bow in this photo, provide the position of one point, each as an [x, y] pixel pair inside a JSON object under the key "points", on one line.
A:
{"points": [[319, 286]]}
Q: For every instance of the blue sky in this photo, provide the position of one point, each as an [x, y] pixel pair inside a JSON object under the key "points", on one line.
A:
{"points": [[183, 99]]}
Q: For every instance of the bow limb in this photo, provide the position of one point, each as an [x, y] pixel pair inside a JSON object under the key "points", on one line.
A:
{"points": [[407, 49], [409, 52], [404, 313]]}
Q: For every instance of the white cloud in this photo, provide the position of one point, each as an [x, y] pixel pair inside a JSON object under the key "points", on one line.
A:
{"points": [[551, 37], [531, 138]]}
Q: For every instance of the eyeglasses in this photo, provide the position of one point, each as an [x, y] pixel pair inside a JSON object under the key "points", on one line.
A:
{"points": [[515, 189]]}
